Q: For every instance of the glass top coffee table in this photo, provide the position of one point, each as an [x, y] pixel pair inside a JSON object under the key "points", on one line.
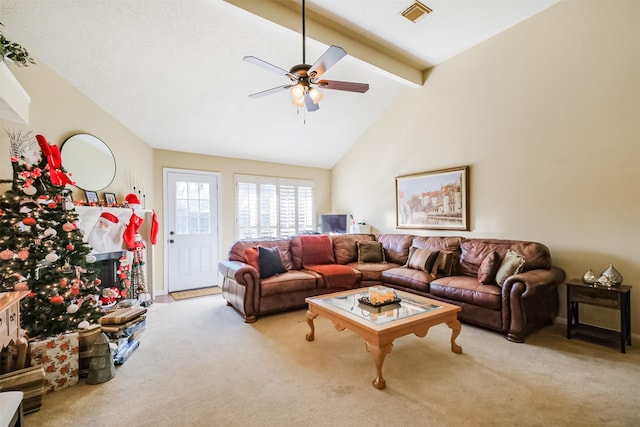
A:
{"points": [[379, 326]]}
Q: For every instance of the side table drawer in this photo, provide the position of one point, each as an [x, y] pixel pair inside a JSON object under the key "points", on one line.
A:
{"points": [[593, 296]]}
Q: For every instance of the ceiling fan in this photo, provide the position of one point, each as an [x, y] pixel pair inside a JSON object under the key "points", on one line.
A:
{"points": [[304, 76]]}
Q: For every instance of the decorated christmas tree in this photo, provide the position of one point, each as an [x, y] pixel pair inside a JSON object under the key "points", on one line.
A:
{"points": [[41, 247]]}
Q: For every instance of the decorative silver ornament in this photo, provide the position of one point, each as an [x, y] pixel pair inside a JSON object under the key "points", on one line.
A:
{"points": [[613, 276], [589, 277]]}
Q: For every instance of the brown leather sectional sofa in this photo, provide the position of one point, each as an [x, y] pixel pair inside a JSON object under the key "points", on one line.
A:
{"points": [[524, 302]]}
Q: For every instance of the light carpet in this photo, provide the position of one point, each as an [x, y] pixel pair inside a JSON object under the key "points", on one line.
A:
{"points": [[199, 364], [193, 293]]}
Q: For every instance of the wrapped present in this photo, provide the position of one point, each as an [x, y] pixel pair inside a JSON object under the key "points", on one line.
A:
{"points": [[59, 358], [30, 381]]}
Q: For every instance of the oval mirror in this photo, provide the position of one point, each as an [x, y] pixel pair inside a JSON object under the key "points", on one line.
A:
{"points": [[89, 161]]}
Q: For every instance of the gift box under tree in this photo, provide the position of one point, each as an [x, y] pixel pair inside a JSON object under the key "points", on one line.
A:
{"points": [[59, 358]]}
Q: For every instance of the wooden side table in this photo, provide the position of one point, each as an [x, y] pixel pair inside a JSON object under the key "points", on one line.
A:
{"points": [[616, 298]]}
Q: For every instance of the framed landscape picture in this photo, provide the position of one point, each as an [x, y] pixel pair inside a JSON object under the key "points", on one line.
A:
{"points": [[437, 200]]}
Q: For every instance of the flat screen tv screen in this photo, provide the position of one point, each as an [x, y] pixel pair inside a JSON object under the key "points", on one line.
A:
{"points": [[336, 223]]}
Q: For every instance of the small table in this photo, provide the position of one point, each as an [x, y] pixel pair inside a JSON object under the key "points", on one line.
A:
{"points": [[380, 326], [618, 298]]}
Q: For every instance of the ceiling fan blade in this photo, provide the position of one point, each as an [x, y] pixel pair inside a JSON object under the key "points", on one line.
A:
{"points": [[326, 61], [308, 102], [274, 69], [270, 91], [348, 86]]}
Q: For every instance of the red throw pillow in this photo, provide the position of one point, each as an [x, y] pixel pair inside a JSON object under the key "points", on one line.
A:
{"points": [[316, 250], [488, 268], [251, 255]]}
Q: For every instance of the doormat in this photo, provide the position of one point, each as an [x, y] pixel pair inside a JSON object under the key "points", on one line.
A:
{"points": [[196, 293]]}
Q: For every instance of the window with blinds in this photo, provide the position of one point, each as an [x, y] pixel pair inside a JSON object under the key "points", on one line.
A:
{"points": [[273, 207]]}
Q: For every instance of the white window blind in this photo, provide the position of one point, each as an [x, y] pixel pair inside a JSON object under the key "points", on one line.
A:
{"points": [[273, 207]]}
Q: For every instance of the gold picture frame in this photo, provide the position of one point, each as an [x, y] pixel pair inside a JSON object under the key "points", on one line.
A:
{"points": [[436, 200]]}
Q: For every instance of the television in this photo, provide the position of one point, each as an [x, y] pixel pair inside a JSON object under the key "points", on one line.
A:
{"points": [[333, 224]]}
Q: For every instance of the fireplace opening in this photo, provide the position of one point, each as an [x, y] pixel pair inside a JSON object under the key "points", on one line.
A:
{"points": [[106, 268]]}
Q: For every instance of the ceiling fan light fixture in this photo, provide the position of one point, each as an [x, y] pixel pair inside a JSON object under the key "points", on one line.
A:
{"points": [[297, 95], [315, 95]]}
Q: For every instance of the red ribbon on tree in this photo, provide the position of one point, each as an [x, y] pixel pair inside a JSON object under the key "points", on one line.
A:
{"points": [[54, 160]]}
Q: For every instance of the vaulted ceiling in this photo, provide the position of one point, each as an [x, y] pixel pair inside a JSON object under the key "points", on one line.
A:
{"points": [[171, 71]]}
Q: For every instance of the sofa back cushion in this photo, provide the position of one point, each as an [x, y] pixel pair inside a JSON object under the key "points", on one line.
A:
{"points": [[344, 246], [474, 251], [396, 247], [237, 250], [314, 249], [449, 248]]}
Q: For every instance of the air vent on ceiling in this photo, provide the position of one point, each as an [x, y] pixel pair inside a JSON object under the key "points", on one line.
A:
{"points": [[416, 11]]}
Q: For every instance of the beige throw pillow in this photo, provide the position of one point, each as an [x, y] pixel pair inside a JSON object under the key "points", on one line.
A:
{"points": [[511, 264]]}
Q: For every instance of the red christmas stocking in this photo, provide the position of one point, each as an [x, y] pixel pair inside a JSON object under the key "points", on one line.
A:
{"points": [[129, 235], [154, 228]]}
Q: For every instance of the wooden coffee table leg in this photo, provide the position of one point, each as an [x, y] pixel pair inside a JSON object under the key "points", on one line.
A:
{"points": [[310, 316], [455, 331], [379, 353]]}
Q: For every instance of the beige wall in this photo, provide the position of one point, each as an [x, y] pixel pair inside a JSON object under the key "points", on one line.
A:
{"points": [[58, 110], [547, 115], [228, 168]]}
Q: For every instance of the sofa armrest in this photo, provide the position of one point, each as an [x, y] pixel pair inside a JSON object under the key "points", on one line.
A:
{"points": [[240, 287], [239, 271], [530, 301], [534, 281]]}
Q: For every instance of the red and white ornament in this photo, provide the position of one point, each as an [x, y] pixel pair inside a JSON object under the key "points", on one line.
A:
{"points": [[68, 226], [6, 255]]}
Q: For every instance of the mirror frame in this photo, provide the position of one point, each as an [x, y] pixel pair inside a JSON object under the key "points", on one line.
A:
{"points": [[89, 161]]}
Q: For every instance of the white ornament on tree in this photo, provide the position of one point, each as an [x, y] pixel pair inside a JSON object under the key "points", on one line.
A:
{"points": [[72, 308], [29, 191], [50, 232], [83, 325], [51, 257]]}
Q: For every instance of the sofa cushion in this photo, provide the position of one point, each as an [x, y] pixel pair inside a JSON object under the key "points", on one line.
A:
{"points": [[468, 290], [473, 251], [336, 276], [370, 252], [422, 259], [236, 252], [408, 278], [488, 268], [251, 255], [316, 250], [291, 281], [396, 247], [345, 247], [511, 264], [269, 262]]}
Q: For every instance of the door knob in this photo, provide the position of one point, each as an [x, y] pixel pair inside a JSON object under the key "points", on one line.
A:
{"points": [[171, 241]]}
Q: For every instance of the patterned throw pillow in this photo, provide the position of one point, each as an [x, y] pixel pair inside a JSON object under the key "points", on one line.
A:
{"points": [[488, 268], [422, 259], [511, 264], [269, 262], [370, 251]]}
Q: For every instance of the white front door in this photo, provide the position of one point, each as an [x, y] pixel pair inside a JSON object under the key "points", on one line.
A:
{"points": [[191, 224]]}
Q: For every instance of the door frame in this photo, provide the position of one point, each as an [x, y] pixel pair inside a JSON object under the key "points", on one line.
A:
{"points": [[165, 195]]}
